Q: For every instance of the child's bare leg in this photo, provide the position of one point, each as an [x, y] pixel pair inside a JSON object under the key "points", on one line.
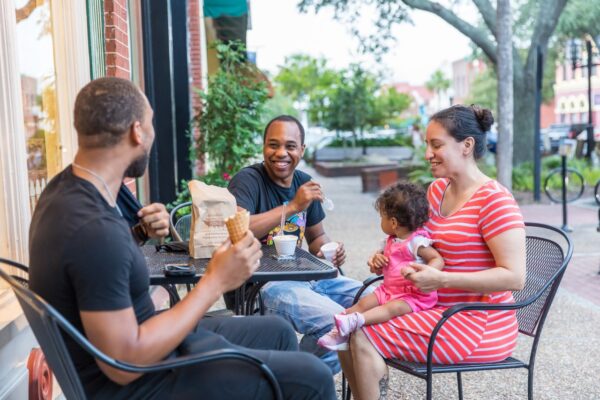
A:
{"points": [[386, 312], [364, 304]]}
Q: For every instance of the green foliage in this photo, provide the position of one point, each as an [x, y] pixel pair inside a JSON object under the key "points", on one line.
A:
{"points": [[522, 174], [308, 81], [438, 82], [421, 171], [352, 106], [230, 117], [579, 18], [484, 90], [389, 105]]}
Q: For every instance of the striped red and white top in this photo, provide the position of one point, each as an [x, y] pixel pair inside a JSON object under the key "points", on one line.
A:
{"points": [[476, 336]]}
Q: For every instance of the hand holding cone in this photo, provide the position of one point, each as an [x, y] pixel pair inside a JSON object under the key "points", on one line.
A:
{"points": [[237, 225]]}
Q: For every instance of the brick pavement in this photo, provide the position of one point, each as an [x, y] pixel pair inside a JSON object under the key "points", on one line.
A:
{"points": [[582, 276]]}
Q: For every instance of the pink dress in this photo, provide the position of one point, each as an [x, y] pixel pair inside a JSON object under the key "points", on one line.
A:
{"points": [[395, 287]]}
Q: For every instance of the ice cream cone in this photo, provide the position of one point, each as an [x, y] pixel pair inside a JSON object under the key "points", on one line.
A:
{"points": [[237, 225]]}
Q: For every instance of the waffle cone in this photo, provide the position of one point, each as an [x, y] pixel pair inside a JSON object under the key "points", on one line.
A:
{"points": [[237, 225]]}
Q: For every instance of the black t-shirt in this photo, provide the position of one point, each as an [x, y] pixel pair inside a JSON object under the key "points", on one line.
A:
{"points": [[83, 258], [254, 190]]}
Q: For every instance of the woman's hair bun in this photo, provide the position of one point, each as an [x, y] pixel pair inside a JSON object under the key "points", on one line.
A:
{"points": [[484, 117]]}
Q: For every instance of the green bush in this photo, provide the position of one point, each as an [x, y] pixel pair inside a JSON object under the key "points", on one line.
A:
{"points": [[229, 120]]}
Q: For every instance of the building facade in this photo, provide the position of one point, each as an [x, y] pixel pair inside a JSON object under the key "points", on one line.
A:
{"points": [[49, 49], [571, 96]]}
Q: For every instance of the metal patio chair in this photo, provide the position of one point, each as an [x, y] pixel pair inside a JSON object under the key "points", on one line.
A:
{"points": [[180, 226], [549, 251], [47, 324]]}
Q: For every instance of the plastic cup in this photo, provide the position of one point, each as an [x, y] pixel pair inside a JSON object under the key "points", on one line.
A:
{"points": [[329, 249], [285, 245]]}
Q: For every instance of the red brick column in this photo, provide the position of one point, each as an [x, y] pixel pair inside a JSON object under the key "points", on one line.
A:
{"points": [[195, 70], [116, 33], [116, 36]]}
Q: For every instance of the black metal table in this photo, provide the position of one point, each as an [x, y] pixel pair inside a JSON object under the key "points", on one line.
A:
{"points": [[303, 267]]}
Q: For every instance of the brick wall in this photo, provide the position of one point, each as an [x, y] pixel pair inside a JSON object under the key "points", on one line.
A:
{"points": [[195, 68], [116, 33]]}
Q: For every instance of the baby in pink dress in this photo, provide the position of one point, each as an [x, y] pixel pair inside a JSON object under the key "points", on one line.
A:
{"points": [[404, 209]]}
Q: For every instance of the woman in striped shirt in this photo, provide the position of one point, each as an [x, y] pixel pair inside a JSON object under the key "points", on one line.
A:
{"points": [[478, 229]]}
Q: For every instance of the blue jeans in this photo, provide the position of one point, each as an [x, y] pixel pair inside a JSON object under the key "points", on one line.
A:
{"points": [[310, 306]]}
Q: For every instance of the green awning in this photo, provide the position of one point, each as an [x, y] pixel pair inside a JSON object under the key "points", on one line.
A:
{"points": [[230, 8]]}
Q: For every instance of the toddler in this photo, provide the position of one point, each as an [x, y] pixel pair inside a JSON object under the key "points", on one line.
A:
{"points": [[404, 209]]}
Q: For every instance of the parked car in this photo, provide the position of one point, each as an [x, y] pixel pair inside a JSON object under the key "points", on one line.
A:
{"points": [[554, 133]]}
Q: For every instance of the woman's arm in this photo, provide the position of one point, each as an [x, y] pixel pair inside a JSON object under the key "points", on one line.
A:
{"points": [[508, 249]]}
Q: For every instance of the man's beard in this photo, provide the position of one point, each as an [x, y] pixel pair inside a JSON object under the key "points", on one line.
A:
{"points": [[138, 166]]}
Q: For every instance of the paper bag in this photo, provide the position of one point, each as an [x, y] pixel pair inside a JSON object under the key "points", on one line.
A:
{"points": [[210, 206]]}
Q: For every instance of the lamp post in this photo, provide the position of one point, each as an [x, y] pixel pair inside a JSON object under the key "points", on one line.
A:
{"points": [[574, 54], [565, 149]]}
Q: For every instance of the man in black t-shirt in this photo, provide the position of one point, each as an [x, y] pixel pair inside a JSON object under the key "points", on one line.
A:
{"points": [[85, 263], [264, 190]]}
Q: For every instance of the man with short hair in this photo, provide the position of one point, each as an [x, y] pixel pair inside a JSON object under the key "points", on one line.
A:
{"points": [[267, 189], [86, 264]]}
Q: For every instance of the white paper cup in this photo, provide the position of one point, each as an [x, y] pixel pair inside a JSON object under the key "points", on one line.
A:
{"points": [[285, 244], [329, 249]]}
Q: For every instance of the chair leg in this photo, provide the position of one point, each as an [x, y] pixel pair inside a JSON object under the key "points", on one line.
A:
{"points": [[530, 383], [459, 383], [429, 387]]}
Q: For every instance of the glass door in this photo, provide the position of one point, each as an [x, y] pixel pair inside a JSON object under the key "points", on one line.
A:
{"points": [[35, 52]]}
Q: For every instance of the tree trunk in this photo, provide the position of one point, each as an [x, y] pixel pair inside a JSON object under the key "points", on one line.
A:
{"points": [[524, 115], [504, 153]]}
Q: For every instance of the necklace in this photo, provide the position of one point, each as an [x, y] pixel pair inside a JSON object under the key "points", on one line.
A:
{"points": [[110, 195]]}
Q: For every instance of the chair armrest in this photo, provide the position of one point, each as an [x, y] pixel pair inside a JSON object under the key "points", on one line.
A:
{"points": [[185, 361], [209, 356], [173, 363], [480, 306], [469, 307], [367, 282]]}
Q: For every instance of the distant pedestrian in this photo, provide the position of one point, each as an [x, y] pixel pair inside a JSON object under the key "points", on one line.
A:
{"points": [[416, 136]]}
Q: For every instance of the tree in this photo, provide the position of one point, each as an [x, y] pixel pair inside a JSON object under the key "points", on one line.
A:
{"points": [[389, 104], [579, 19], [352, 103], [308, 81], [438, 84], [543, 19], [504, 153]]}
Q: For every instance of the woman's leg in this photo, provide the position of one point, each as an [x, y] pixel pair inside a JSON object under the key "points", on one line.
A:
{"points": [[370, 371], [345, 358]]}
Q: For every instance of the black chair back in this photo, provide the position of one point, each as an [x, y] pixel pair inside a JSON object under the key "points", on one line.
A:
{"points": [[42, 319], [548, 253], [180, 226]]}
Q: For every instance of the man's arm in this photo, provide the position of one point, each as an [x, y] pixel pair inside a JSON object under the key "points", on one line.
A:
{"points": [[316, 237], [118, 334], [261, 224]]}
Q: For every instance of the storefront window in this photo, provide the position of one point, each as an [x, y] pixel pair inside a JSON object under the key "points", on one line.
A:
{"points": [[35, 50]]}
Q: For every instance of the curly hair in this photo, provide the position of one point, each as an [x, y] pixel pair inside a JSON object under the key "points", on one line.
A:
{"points": [[406, 202]]}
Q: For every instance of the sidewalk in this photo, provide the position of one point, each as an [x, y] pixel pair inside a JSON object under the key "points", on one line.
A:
{"points": [[569, 348]]}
